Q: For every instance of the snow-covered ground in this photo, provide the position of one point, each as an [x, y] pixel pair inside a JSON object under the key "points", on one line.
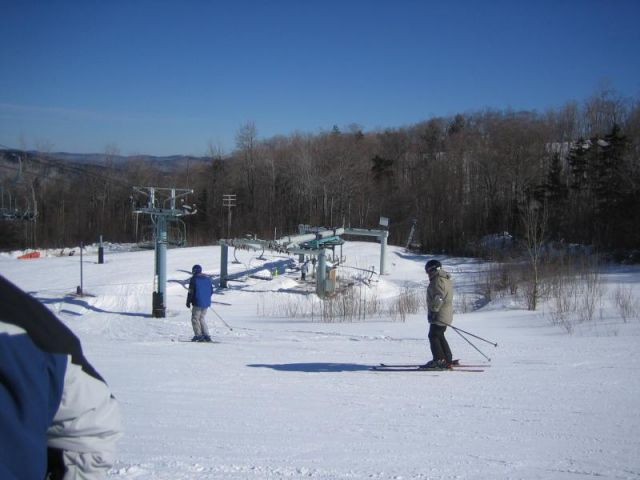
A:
{"points": [[282, 397]]}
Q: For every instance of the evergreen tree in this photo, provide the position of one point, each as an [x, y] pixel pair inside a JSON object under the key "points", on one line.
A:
{"points": [[578, 162], [609, 186], [382, 168], [554, 194]]}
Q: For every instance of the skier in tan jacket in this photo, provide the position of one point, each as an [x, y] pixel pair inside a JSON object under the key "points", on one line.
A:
{"points": [[440, 314]]}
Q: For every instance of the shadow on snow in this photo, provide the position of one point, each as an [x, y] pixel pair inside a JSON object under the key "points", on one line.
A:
{"points": [[313, 367], [75, 300]]}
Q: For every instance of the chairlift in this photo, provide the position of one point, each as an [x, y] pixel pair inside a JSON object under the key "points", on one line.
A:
{"points": [[176, 234], [21, 189]]}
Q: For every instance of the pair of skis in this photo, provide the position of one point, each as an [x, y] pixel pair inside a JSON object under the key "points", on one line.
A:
{"points": [[188, 340], [456, 366]]}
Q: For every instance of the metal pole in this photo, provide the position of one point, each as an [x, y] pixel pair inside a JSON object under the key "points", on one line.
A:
{"points": [[228, 200], [221, 319], [100, 252], [162, 270], [321, 274], [469, 342], [224, 255], [468, 333], [159, 308], [79, 290], [383, 252]]}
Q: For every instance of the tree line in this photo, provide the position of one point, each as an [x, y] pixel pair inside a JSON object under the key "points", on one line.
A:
{"points": [[459, 178]]}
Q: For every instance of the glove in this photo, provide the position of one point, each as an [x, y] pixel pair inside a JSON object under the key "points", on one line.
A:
{"points": [[188, 304], [431, 316]]}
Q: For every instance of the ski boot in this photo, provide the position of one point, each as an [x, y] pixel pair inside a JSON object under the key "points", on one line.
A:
{"points": [[436, 365]]}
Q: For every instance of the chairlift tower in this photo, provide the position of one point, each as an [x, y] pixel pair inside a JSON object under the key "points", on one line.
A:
{"points": [[161, 206]]}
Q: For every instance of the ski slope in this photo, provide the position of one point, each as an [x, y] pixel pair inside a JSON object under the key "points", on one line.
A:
{"points": [[291, 397]]}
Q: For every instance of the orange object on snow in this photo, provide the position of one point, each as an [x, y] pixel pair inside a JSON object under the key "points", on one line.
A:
{"points": [[27, 256]]}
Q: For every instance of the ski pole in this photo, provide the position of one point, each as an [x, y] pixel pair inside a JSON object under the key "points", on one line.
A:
{"points": [[469, 342], [468, 333], [221, 319]]}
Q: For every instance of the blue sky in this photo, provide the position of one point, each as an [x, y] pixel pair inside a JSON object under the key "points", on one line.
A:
{"points": [[172, 77]]}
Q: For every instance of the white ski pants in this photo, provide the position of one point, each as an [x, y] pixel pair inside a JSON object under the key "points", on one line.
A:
{"points": [[197, 320]]}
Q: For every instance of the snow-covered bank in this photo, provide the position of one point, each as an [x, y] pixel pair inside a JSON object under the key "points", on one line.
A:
{"points": [[283, 397]]}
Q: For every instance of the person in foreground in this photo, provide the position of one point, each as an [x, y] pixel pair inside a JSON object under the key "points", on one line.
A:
{"points": [[58, 419], [440, 314], [200, 292]]}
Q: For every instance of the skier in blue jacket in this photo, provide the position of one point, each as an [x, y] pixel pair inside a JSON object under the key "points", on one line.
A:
{"points": [[58, 419], [200, 292]]}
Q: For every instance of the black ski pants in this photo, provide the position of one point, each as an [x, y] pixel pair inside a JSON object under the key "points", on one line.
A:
{"points": [[439, 345]]}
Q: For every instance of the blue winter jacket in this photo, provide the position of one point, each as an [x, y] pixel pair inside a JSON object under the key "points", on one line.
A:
{"points": [[200, 291], [57, 414]]}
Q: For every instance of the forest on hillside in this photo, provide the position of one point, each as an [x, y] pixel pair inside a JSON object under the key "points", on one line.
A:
{"points": [[577, 167]]}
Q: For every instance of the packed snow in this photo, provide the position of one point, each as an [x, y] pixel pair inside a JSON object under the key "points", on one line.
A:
{"points": [[286, 395]]}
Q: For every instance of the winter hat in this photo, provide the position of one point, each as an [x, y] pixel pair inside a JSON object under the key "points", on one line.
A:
{"points": [[196, 269], [432, 266]]}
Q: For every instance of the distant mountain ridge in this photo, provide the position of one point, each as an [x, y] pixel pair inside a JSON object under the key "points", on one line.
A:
{"points": [[165, 164], [102, 158]]}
